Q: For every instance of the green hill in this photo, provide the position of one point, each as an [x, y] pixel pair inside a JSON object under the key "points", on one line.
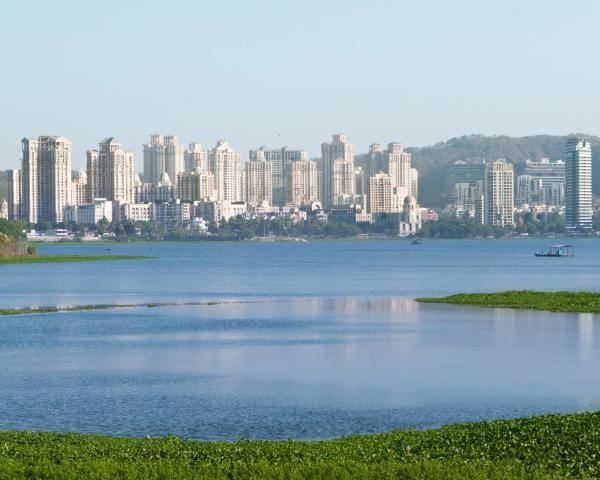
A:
{"points": [[434, 162]]}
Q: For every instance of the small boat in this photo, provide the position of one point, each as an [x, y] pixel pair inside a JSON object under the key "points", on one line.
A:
{"points": [[561, 250]]}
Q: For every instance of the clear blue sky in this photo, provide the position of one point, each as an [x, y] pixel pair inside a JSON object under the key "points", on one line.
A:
{"points": [[294, 72]]}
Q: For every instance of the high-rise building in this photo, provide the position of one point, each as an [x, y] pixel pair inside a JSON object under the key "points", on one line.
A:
{"points": [[258, 183], [45, 178], [578, 185], [162, 191], [79, 189], [381, 192], [398, 164], [162, 154], [541, 183], [196, 158], [499, 198], [469, 185], [414, 183], [110, 172], [280, 158], [547, 170], [225, 165], [195, 186], [375, 161], [533, 190], [302, 182], [14, 194], [338, 169]]}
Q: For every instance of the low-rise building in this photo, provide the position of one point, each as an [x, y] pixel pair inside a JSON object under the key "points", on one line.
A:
{"points": [[89, 214], [171, 214], [215, 211], [137, 212]]}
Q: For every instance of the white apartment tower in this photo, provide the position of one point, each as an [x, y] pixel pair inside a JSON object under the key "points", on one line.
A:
{"points": [[578, 185], [338, 169], [196, 158], [398, 166], [110, 172], [195, 186], [302, 182], [280, 158], [499, 197], [79, 189], [45, 178], [259, 182], [162, 154], [381, 193], [225, 165], [14, 194]]}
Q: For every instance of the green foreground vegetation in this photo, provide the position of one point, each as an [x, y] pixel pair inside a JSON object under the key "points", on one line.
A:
{"points": [[575, 302], [69, 258], [542, 447]]}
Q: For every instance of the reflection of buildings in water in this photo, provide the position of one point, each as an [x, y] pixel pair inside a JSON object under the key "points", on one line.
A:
{"points": [[585, 323], [504, 323], [586, 329], [356, 305]]}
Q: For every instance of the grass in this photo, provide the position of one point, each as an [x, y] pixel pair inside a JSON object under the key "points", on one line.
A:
{"points": [[579, 302], [545, 447], [69, 258]]}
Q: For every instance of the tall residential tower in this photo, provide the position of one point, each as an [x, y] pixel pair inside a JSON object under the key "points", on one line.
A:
{"points": [[110, 172], [338, 169], [45, 178], [499, 198], [163, 154], [578, 185]]}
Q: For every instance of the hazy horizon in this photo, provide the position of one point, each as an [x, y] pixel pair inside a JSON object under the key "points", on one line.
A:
{"points": [[262, 73]]}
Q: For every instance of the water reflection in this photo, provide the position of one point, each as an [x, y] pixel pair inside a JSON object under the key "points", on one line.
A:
{"points": [[306, 368]]}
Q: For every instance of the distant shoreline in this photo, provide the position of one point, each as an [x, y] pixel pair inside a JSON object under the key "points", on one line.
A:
{"points": [[307, 240]]}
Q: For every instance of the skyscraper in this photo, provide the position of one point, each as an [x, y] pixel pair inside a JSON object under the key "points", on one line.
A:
{"points": [[14, 194], [280, 158], [225, 165], [398, 163], [196, 158], [110, 172], [162, 154], [45, 178], [259, 181], [578, 185], [499, 198], [196, 185], [302, 182], [338, 169], [381, 193]]}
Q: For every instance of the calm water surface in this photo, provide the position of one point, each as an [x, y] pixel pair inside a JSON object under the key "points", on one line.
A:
{"points": [[332, 345]]}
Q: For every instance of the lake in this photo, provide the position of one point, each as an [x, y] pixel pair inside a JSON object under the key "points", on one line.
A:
{"points": [[330, 344]]}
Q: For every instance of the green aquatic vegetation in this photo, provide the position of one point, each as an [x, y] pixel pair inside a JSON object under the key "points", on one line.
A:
{"points": [[69, 258], [582, 302], [542, 447]]}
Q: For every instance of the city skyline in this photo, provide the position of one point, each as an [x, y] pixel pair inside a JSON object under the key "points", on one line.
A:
{"points": [[441, 71]]}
